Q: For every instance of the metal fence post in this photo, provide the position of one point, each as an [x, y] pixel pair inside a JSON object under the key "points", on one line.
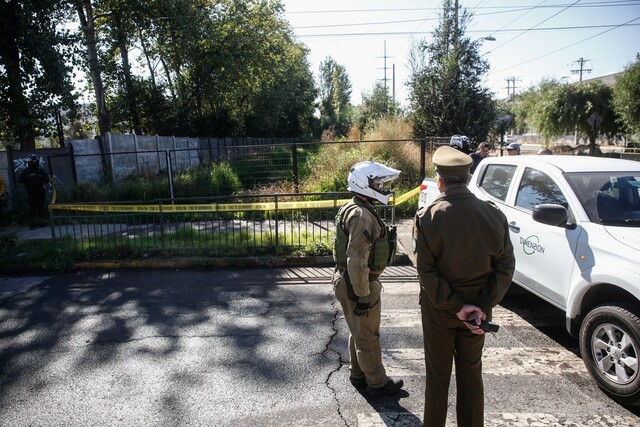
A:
{"points": [[74, 171], [135, 148], [294, 155], [170, 174], [423, 154], [162, 236], [11, 172], [276, 207]]}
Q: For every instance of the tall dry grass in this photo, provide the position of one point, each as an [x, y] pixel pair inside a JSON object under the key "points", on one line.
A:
{"points": [[330, 166]]}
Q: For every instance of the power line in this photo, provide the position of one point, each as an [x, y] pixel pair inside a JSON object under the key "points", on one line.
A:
{"points": [[535, 26], [405, 21], [513, 30], [514, 20], [568, 46], [620, 3]]}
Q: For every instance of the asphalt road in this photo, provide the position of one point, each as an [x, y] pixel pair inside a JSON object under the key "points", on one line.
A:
{"points": [[259, 347]]}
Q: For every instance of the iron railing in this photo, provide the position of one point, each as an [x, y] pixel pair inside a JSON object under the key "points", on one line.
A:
{"points": [[215, 226]]}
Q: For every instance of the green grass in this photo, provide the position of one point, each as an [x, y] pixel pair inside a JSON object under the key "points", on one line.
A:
{"points": [[18, 255]]}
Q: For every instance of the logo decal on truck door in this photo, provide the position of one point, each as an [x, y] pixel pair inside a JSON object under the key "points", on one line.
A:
{"points": [[531, 245]]}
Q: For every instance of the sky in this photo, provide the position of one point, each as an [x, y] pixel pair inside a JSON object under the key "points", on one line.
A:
{"points": [[534, 39]]}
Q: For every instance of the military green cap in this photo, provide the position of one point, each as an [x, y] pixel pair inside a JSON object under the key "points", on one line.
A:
{"points": [[449, 161]]}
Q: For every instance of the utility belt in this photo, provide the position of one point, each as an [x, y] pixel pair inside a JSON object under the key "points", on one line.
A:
{"points": [[372, 276], [344, 273]]}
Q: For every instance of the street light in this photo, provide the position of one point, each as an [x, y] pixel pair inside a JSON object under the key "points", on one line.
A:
{"points": [[488, 38]]}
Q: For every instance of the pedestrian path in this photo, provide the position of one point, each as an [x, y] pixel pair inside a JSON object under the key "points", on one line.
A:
{"points": [[512, 366]]}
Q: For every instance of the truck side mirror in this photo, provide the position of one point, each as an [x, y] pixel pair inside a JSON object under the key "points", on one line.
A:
{"points": [[550, 214]]}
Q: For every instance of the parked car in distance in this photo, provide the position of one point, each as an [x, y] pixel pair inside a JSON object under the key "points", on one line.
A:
{"points": [[575, 226]]}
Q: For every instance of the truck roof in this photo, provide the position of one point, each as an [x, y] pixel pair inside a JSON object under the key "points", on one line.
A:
{"points": [[571, 163]]}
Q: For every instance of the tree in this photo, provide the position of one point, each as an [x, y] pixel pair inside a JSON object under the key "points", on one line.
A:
{"points": [[117, 19], [375, 105], [561, 109], [35, 79], [335, 93], [446, 92], [626, 97], [241, 73], [84, 8]]}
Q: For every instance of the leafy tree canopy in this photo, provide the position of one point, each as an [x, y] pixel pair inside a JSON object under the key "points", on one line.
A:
{"points": [[626, 97], [335, 93], [35, 71], [560, 109], [447, 95]]}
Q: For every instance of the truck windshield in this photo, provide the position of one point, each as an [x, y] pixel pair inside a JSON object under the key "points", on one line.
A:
{"points": [[608, 197]]}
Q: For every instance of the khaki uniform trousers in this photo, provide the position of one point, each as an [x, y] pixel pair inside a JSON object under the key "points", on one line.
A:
{"points": [[445, 339], [364, 339]]}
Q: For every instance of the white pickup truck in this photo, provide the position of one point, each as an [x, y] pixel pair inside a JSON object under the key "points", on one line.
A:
{"points": [[575, 228]]}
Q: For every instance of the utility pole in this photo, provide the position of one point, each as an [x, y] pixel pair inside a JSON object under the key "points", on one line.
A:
{"points": [[385, 68], [581, 61], [511, 91], [393, 80]]}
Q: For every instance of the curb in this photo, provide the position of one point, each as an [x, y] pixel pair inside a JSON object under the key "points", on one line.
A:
{"points": [[222, 262]]}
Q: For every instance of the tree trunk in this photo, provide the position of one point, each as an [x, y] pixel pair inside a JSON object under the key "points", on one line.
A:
{"points": [[152, 71], [169, 81], [128, 82], [85, 15]]}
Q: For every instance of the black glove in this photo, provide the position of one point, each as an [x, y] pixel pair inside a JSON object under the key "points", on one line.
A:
{"points": [[362, 306]]}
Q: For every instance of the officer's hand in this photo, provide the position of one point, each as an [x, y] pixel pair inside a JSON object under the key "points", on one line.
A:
{"points": [[472, 313], [362, 306]]}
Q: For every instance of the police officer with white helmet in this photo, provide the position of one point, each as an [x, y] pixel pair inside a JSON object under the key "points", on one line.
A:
{"points": [[363, 247]]}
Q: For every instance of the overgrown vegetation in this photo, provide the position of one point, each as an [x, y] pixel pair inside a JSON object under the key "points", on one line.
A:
{"points": [[326, 170]]}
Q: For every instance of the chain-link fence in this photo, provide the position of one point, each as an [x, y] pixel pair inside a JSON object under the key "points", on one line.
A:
{"points": [[224, 170]]}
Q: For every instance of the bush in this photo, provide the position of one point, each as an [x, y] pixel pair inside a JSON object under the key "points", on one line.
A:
{"points": [[223, 180]]}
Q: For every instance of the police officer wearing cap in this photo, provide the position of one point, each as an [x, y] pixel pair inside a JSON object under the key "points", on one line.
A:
{"points": [[465, 263]]}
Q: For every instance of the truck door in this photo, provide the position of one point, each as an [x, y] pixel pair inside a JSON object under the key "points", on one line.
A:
{"points": [[544, 253]]}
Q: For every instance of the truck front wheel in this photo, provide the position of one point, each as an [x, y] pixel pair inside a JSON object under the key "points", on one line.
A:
{"points": [[610, 348]]}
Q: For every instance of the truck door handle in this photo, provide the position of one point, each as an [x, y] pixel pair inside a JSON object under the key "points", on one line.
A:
{"points": [[514, 227]]}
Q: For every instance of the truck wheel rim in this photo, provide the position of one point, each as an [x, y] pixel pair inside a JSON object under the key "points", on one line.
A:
{"points": [[615, 353]]}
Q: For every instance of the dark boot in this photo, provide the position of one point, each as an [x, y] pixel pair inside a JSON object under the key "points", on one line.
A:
{"points": [[391, 387]]}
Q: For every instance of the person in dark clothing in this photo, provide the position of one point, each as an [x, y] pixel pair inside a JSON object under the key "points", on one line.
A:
{"points": [[481, 152], [34, 179], [457, 227]]}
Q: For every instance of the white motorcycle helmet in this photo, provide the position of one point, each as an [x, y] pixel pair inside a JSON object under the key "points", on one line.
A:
{"points": [[456, 142], [363, 175]]}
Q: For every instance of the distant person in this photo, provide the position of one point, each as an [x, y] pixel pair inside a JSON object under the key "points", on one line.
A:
{"points": [[545, 151], [481, 152], [363, 248], [465, 263], [513, 149], [34, 179]]}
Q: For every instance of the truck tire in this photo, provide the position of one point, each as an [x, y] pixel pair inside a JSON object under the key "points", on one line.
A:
{"points": [[610, 348]]}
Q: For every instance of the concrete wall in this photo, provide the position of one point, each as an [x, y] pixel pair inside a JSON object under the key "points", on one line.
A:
{"points": [[123, 155]]}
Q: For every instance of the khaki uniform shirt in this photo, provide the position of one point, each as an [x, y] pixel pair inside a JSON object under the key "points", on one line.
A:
{"points": [[464, 254], [363, 228]]}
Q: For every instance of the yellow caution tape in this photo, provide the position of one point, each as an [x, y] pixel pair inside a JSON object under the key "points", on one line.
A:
{"points": [[408, 195], [216, 207]]}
